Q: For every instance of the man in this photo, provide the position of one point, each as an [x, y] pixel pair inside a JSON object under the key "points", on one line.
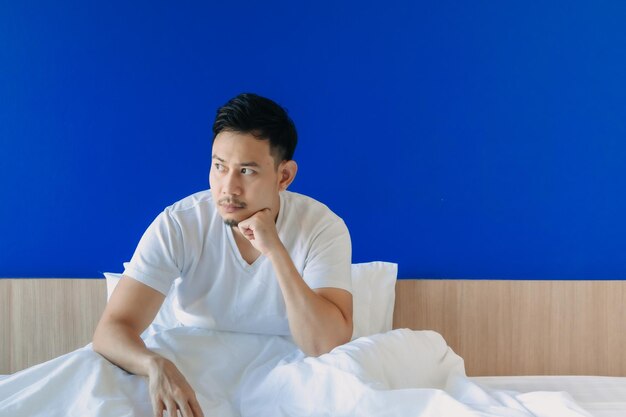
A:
{"points": [[252, 257]]}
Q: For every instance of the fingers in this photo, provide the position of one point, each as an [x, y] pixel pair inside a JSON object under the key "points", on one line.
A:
{"points": [[187, 409], [158, 409], [247, 232], [244, 225], [248, 225], [195, 407], [169, 391], [171, 409]]}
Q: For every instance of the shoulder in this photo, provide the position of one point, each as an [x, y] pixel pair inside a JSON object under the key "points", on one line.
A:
{"points": [[196, 210], [310, 218], [195, 201], [304, 206]]}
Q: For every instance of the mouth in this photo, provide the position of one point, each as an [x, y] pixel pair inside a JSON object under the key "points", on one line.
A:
{"points": [[231, 206]]}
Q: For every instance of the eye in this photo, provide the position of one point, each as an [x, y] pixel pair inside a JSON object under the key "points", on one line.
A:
{"points": [[247, 171], [219, 167]]}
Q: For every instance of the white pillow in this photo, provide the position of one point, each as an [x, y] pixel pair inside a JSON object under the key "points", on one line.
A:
{"points": [[165, 318], [373, 297]]}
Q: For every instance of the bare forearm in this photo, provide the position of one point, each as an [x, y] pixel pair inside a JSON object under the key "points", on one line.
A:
{"points": [[317, 325], [123, 347]]}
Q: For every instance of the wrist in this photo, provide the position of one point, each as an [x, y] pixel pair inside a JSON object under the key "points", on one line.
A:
{"points": [[277, 253], [153, 363]]}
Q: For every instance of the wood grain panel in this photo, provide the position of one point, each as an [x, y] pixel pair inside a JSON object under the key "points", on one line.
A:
{"points": [[50, 317], [498, 327], [522, 327], [5, 326]]}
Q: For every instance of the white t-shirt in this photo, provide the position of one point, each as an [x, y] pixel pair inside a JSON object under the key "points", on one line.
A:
{"points": [[217, 288]]}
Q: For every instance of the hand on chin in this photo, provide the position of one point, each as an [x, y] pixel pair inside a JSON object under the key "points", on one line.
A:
{"points": [[260, 230]]}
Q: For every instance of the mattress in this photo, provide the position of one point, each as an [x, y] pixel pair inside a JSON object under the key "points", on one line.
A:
{"points": [[601, 396]]}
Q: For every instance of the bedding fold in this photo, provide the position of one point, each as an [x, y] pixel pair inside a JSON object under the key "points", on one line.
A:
{"points": [[398, 373]]}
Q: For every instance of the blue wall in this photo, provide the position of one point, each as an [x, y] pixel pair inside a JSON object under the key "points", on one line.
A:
{"points": [[459, 139]]}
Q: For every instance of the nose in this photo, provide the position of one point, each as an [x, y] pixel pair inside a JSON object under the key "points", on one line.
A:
{"points": [[231, 184]]}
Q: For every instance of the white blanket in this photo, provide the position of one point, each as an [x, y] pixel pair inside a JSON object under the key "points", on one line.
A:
{"points": [[400, 373]]}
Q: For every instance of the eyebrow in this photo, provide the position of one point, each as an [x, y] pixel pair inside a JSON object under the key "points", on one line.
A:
{"points": [[243, 164]]}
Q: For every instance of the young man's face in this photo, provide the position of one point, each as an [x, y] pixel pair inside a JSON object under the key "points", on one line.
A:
{"points": [[243, 176]]}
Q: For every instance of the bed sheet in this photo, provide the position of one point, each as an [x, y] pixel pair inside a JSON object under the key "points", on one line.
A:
{"points": [[601, 396], [396, 374]]}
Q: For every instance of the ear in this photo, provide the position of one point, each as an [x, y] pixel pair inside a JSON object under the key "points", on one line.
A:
{"points": [[286, 174]]}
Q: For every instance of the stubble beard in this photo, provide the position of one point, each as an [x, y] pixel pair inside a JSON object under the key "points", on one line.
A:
{"points": [[223, 201], [231, 222]]}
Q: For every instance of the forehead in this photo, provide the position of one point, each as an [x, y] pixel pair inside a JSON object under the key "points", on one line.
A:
{"points": [[237, 147]]}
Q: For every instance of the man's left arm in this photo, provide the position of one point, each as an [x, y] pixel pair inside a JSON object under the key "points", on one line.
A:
{"points": [[319, 319]]}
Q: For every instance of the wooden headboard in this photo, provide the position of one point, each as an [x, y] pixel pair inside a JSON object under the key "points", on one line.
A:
{"points": [[498, 327], [522, 327]]}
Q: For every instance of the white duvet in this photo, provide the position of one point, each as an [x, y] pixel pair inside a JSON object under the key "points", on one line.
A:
{"points": [[400, 373]]}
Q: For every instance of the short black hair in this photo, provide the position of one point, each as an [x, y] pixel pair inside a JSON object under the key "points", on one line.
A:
{"points": [[263, 118]]}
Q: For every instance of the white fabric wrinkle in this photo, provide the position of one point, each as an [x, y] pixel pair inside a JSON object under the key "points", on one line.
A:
{"points": [[401, 373]]}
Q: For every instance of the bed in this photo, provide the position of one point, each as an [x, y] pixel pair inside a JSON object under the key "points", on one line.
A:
{"points": [[513, 335]]}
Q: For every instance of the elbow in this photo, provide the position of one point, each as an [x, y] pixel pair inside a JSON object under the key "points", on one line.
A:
{"points": [[96, 347], [97, 341], [315, 352], [326, 346], [105, 332], [321, 349]]}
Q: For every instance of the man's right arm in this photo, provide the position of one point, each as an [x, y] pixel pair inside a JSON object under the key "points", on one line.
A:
{"points": [[131, 308]]}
